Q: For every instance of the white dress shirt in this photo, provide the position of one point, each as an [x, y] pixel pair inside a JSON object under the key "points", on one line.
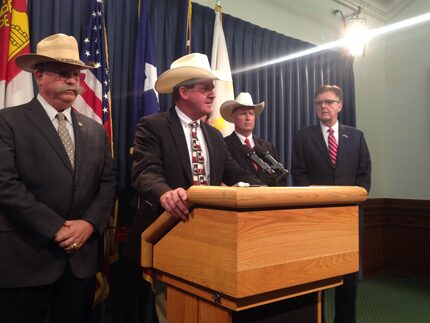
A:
{"points": [[325, 133], [52, 113]]}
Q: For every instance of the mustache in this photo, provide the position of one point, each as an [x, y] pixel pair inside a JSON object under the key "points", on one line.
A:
{"points": [[75, 88]]}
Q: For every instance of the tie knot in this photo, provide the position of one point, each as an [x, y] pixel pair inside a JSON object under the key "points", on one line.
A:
{"points": [[194, 124], [60, 116], [248, 143], [330, 131]]}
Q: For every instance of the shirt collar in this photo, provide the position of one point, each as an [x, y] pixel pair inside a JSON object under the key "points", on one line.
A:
{"points": [[52, 112], [185, 120], [335, 127], [242, 137]]}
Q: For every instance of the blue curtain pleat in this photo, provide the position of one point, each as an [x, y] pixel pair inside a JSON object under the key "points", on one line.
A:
{"points": [[286, 87]]}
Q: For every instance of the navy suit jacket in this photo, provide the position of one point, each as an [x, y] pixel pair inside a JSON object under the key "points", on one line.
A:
{"points": [[311, 164], [39, 190], [161, 163], [239, 154]]}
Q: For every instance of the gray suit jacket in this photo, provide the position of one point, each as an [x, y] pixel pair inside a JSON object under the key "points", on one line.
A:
{"points": [[39, 190], [311, 164]]}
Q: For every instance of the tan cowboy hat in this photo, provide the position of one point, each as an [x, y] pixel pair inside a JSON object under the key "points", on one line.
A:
{"points": [[55, 48], [188, 67], [244, 99]]}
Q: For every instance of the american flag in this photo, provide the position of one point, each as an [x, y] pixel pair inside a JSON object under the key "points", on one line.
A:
{"points": [[95, 101]]}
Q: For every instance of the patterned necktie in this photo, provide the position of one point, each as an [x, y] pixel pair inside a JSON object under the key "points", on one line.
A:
{"points": [[65, 137], [248, 144], [332, 146], [198, 160]]}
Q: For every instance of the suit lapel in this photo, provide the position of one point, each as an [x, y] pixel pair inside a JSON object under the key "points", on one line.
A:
{"points": [[343, 141], [80, 133], [320, 143], [216, 164], [177, 132], [41, 120]]}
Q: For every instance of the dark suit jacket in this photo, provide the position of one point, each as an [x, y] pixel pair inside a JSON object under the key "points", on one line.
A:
{"points": [[161, 163], [311, 164], [239, 155], [39, 191]]}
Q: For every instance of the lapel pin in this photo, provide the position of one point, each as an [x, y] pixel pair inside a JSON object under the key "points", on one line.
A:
{"points": [[80, 124], [346, 136]]}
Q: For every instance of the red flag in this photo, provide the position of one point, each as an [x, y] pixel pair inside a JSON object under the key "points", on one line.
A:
{"points": [[16, 86]]}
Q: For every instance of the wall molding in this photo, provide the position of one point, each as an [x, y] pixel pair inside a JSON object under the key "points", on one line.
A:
{"points": [[396, 236]]}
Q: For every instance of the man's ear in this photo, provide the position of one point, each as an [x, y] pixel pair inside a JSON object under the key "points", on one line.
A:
{"points": [[183, 92], [37, 75]]}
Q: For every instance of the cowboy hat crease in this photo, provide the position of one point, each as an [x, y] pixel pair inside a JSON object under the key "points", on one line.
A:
{"points": [[244, 99], [58, 48], [188, 67]]}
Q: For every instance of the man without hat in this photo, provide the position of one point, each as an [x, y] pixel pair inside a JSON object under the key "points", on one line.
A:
{"points": [[242, 112], [330, 153], [57, 189], [175, 150]]}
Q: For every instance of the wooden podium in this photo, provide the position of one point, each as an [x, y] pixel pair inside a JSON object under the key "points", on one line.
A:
{"points": [[244, 247]]}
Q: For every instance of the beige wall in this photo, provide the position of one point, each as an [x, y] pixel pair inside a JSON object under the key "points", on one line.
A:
{"points": [[408, 108], [392, 85]]}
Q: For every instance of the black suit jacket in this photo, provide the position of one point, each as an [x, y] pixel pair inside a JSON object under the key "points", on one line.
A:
{"points": [[39, 190], [311, 164], [161, 163], [239, 154]]}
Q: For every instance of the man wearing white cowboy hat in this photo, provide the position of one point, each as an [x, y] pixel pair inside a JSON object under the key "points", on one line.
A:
{"points": [[57, 188], [242, 112], [174, 150]]}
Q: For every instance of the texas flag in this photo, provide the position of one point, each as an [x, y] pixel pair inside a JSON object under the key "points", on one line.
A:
{"points": [[16, 86]]}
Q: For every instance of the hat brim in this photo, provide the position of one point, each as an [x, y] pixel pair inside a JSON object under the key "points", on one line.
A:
{"points": [[228, 107], [170, 78], [27, 62]]}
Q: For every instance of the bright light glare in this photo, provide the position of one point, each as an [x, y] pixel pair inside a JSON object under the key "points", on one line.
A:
{"points": [[355, 36], [399, 25], [309, 51], [340, 43]]}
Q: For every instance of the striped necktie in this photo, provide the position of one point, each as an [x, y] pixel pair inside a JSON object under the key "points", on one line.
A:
{"points": [[332, 146]]}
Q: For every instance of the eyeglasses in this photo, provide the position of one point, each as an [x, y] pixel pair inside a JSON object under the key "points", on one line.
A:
{"points": [[327, 102], [203, 90], [65, 75]]}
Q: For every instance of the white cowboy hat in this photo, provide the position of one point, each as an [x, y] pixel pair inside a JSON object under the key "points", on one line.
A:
{"points": [[58, 48], [244, 99], [188, 67]]}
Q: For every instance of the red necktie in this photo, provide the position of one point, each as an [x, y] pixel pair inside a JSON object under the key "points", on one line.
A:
{"points": [[198, 160], [248, 144], [332, 146]]}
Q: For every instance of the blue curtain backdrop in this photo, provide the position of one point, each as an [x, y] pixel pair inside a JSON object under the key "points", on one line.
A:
{"points": [[286, 87]]}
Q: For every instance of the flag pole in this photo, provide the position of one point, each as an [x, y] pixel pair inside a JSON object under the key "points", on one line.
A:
{"points": [[188, 28]]}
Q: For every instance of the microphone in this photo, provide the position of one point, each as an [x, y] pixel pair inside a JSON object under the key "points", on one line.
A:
{"points": [[276, 166], [261, 163]]}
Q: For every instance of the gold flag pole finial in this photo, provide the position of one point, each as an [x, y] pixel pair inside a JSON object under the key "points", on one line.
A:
{"points": [[218, 7], [188, 31]]}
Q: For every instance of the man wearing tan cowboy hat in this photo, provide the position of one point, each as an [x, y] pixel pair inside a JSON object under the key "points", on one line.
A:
{"points": [[57, 188], [242, 112], [174, 150]]}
